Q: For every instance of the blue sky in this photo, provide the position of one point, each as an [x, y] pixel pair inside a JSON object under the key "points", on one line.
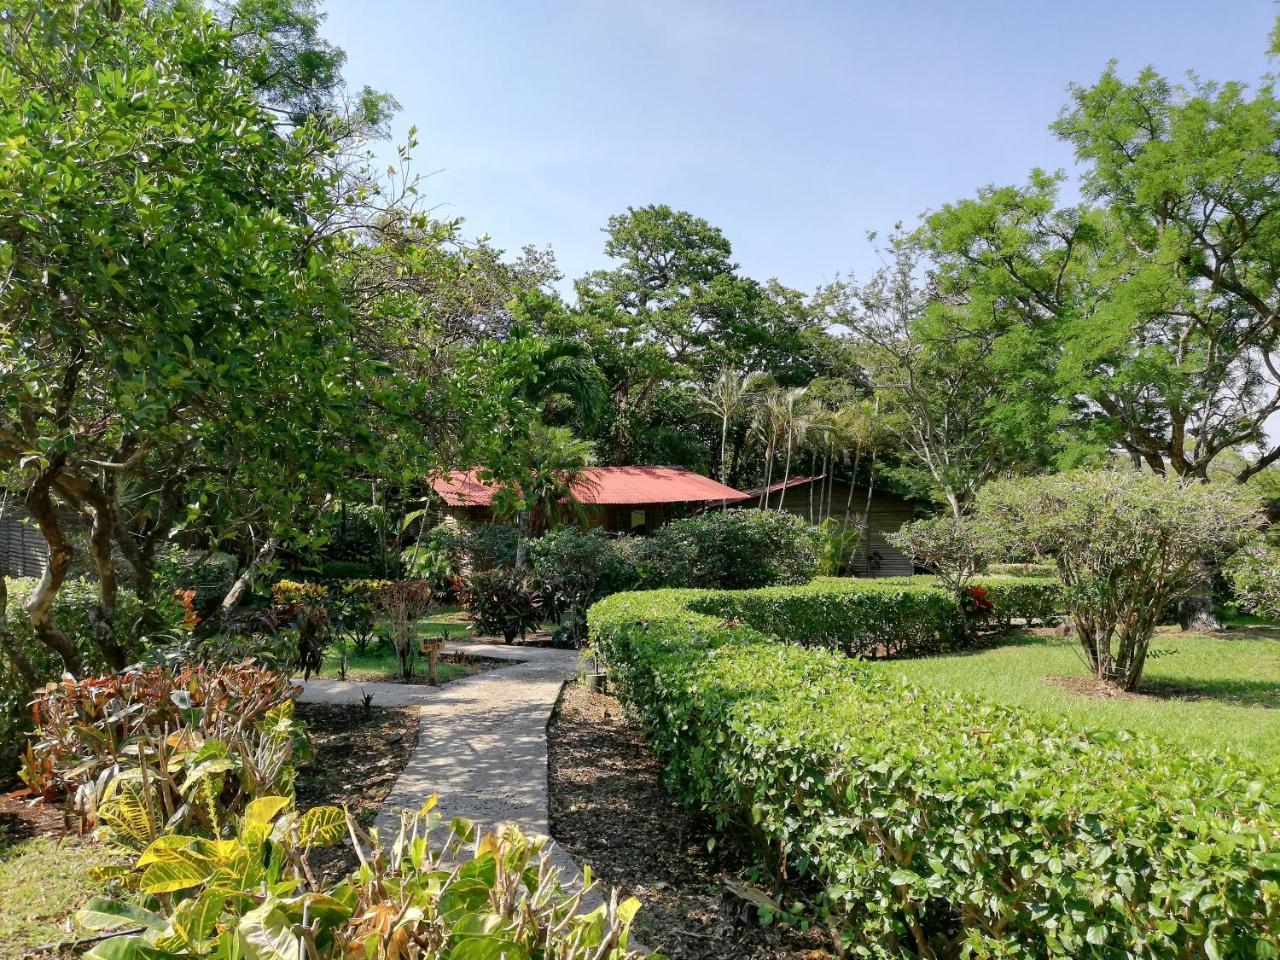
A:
{"points": [[795, 127]]}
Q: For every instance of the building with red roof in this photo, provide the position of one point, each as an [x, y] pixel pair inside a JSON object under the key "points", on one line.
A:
{"points": [[620, 499]]}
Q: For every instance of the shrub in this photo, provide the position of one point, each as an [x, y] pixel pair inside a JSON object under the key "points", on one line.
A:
{"points": [[574, 569], [934, 825], [1030, 599], [357, 533], [100, 741], [253, 895], [336, 571], [737, 549], [404, 603], [305, 606], [1126, 546], [840, 540], [1254, 574], [1023, 569], [354, 609], [72, 609], [209, 574], [503, 601], [871, 619], [488, 546]]}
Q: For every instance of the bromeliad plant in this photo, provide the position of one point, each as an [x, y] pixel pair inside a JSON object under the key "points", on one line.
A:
{"points": [[490, 897]]}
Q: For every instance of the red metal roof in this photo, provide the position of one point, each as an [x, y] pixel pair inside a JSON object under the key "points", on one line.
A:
{"points": [[602, 486], [774, 488]]}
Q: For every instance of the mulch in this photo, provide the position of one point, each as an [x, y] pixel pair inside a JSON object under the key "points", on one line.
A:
{"points": [[359, 754], [610, 810]]}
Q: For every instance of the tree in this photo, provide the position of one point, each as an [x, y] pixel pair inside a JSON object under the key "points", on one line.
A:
{"points": [[1126, 546], [676, 310], [958, 383], [956, 549], [189, 331], [1162, 286], [726, 398]]}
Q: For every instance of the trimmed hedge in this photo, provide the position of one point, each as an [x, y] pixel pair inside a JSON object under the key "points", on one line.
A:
{"points": [[872, 619], [929, 824]]}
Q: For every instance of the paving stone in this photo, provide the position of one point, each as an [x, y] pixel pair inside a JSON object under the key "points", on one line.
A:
{"points": [[482, 742]]}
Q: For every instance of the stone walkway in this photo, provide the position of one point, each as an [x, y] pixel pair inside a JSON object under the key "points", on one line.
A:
{"points": [[482, 743]]}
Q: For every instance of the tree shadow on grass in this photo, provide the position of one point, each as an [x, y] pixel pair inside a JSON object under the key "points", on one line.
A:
{"points": [[1241, 693]]}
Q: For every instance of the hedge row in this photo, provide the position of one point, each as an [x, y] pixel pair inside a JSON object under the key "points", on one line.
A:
{"points": [[927, 824], [878, 618]]}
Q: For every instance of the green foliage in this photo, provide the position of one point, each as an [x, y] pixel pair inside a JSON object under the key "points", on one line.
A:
{"points": [[932, 825], [840, 542], [1126, 545], [731, 549], [209, 574], [356, 533], [573, 570], [871, 619], [1023, 569], [252, 895], [955, 549], [1254, 574], [503, 601], [150, 750], [354, 609]]}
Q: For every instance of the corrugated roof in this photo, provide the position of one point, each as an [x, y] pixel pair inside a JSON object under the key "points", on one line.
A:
{"points": [[774, 488], [602, 486]]}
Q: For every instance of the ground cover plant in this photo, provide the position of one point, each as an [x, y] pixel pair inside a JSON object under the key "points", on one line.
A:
{"points": [[935, 824]]}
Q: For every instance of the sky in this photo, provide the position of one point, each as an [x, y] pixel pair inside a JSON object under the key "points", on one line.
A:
{"points": [[794, 127]]}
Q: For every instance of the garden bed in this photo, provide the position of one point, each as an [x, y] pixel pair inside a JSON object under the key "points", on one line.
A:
{"points": [[609, 809], [359, 754]]}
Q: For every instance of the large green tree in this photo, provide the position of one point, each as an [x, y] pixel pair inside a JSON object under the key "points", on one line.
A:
{"points": [[1162, 284], [673, 313], [173, 334]]}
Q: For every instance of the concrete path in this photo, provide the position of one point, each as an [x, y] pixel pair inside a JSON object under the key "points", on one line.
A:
{"points": [[482, 742]]}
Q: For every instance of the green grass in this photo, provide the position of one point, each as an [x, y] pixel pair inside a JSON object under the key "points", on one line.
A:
{"points": [[379, 661], [1207, 692], [43, 881]]}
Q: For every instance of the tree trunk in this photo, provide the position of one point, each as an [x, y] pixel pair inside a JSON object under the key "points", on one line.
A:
{"points": [[102, 623], [786, 475], [209, 626], [40, 603], [1195, 610]]}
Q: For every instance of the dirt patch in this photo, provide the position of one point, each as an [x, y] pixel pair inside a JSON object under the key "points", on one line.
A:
{"points": [[1093, 687], [22, 818], [610, 810], [359, 754]]}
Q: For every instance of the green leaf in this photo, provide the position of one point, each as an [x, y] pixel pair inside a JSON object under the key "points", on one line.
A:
{"points": [[103, 913]]}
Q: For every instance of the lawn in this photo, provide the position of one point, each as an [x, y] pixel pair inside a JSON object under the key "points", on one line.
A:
{"points": [[1207, 692], [44, 880], [378, 662]]}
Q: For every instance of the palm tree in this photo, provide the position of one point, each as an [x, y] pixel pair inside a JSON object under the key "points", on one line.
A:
{"points": [[726, 398], [552, 463], [794, 426]]}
